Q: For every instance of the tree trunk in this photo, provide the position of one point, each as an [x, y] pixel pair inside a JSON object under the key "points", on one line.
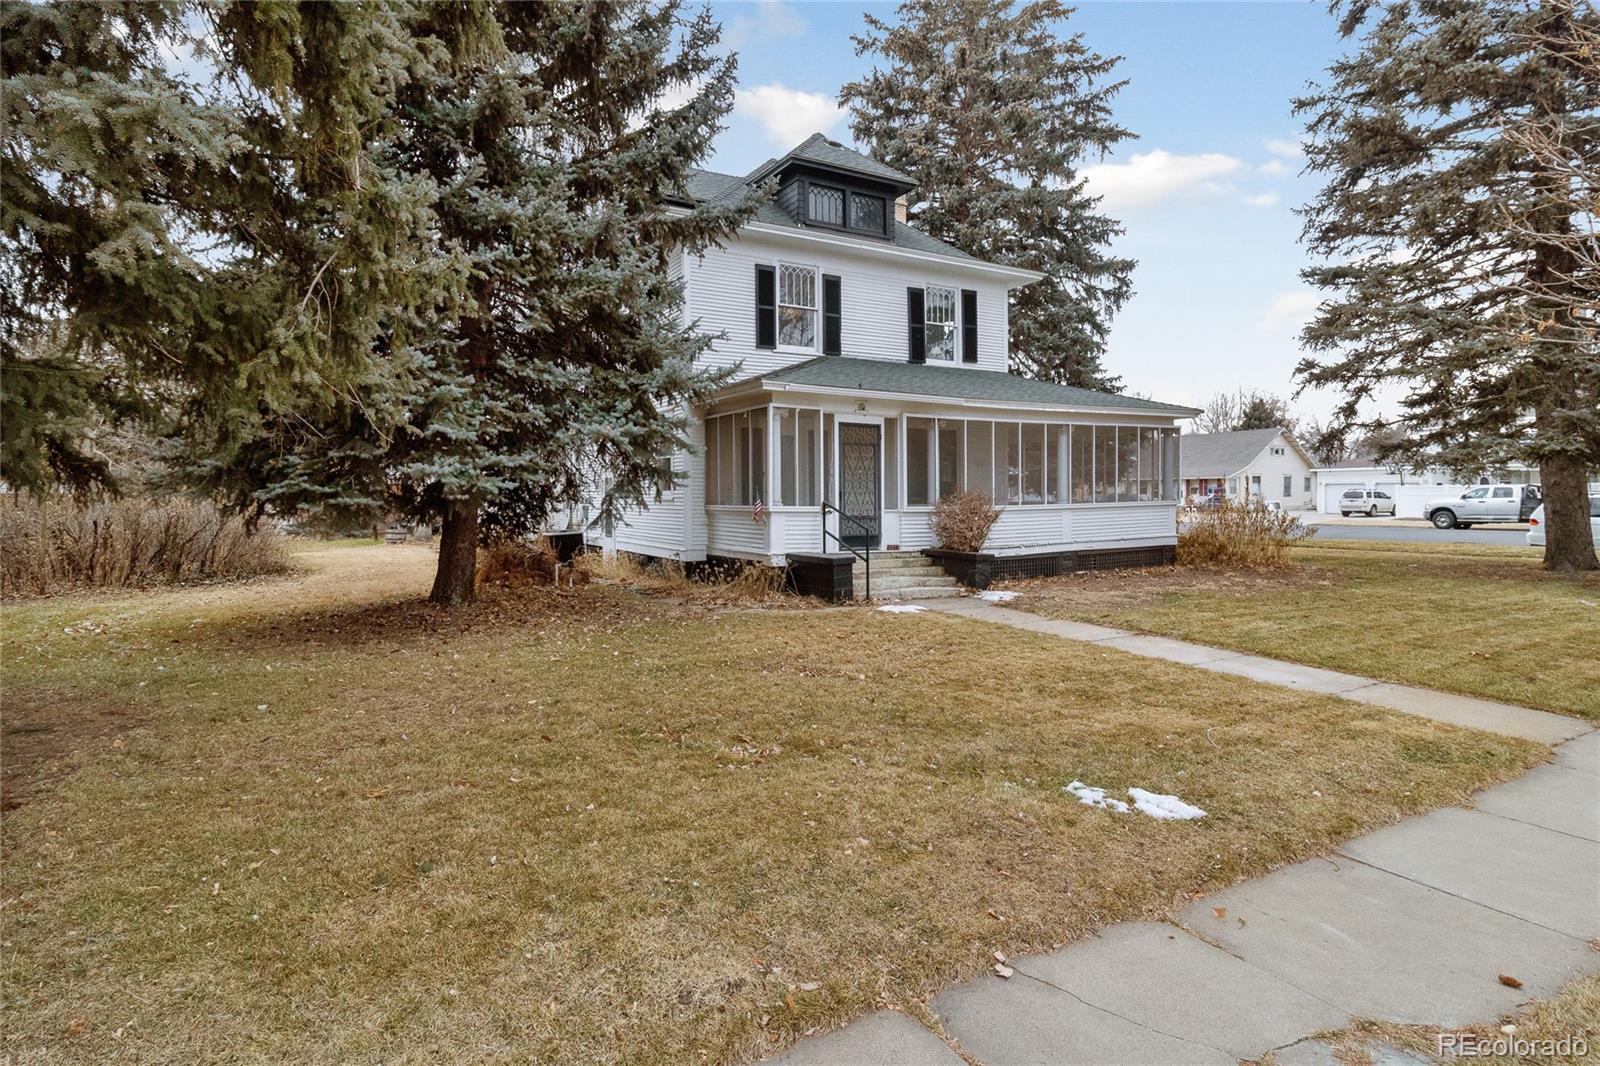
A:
{"points": [[455, 582], [1568, 542]]}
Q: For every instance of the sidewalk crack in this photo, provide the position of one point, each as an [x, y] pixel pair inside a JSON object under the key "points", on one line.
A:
{"points": [[1118, 1014], [1457, 895]]}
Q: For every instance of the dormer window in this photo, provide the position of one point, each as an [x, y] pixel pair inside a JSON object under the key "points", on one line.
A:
{"points": [[837, 207], [867, 212], [826, 205]]}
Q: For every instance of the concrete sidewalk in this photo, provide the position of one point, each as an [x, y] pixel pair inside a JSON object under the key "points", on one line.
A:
{"points": [[1414, 923]]}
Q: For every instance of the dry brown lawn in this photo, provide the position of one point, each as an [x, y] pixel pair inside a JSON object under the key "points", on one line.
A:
{"points": [[312, 819], [1480, 621]]}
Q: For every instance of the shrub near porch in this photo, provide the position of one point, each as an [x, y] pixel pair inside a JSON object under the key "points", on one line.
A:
{"points": [[313, 819]]}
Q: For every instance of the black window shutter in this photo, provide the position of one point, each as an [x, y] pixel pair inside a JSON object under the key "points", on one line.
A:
{"points": [[969, 326], [915, 326], [832, 316], [766, 307]]}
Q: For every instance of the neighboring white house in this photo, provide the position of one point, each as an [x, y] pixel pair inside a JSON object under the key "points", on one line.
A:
{"points": [[1411, 489], [1249, 464], [871, 376]]}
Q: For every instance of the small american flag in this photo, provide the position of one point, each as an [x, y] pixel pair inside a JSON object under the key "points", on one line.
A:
{"points": [[758, 511]]}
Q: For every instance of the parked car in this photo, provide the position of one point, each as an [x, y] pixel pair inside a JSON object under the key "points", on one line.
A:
{"points": [[1366, 501], [1536, 524], [1485, 503]]}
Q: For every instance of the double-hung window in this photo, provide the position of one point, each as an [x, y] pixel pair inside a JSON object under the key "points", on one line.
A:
{"points": [[939, 318], [797, 306]]}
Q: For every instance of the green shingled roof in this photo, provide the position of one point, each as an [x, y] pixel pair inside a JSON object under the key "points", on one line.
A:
{"points": [[956, 383]]}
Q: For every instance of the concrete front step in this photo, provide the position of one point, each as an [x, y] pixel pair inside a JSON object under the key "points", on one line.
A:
{"points": [[928, 592], [900, 571], [910, 581]]}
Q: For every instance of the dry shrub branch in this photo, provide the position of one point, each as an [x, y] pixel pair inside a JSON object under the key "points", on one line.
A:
{"points": [[962, 520], [60, 545], [1235, 535]]}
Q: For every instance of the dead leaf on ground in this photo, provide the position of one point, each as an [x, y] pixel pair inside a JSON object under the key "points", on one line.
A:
{"points": [[1509, 981], [1219, 912], [1003, 971]]}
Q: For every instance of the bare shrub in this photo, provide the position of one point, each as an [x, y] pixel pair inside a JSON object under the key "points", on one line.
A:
{"points": [[1236, 535], [729, 581], [520, 563], [59, 545], [962, 520]]}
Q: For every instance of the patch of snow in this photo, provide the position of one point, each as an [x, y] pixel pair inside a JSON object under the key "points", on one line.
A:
{"points": [[1090, 796], [903, 608], [1165, 807], [998, 595]]}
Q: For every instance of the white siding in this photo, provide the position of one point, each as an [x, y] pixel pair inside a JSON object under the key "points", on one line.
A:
{"points": [[1272, 469], [722, 297], [1085, 526], [734, 531]]}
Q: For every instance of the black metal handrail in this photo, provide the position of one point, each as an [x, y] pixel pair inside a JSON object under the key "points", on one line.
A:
{"points": [[865, 554]]}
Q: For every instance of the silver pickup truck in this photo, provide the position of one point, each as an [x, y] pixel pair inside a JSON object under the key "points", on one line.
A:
{"points": [[1485, 503]]}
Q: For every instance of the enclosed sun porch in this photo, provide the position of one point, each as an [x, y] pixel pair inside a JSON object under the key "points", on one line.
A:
{"points": [[786, 467]]}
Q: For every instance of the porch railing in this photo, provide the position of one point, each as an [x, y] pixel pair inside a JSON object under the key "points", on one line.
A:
{"points": [[865, 554]]}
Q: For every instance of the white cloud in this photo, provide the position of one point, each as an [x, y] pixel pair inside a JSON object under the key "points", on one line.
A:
{"points": [[1283, 146], [1263, 199], [768, 21], [789, 115], [1149, 177], [1273, 168], [1288, 311]]}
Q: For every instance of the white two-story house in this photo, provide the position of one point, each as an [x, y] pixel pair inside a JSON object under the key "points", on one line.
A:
{"points": [[871, 379]]}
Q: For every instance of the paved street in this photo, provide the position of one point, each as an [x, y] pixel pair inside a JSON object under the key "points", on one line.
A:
{"points": [[1413, 924], [1381, 530]]}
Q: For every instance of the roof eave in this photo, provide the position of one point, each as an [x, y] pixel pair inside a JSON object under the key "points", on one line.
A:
{"points": [[1022, 276], [770, 385]]}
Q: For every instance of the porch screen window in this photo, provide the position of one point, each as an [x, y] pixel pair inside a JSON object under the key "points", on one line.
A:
{"points": [[1032, 462], [797, 307], [980, 457], [1105, 464], [1057, 449], [1127, 464], [920, 461], [799, 442], [950, 456], [1169, 449], [1007, 463], [736, 458], [1082, 464], [939, 310], [1150, 466]]}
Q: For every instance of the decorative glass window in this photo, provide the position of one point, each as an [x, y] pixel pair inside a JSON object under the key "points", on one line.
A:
{"points": [[797, 306], [866, 212], [939, 319], [825, 205]]}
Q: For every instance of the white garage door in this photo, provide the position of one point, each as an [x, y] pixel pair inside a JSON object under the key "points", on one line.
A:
{"points": [[1331, 494]]}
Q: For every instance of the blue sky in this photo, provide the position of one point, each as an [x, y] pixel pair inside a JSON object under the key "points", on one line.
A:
{"points": [[1206, 192]]}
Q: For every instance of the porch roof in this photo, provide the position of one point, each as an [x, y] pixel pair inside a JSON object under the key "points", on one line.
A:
{"points": [[887, 377]]}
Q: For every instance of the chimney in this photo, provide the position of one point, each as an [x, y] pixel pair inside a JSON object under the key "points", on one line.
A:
{"points": [[900, 208]]}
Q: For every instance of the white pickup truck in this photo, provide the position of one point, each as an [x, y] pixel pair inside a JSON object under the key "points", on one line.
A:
{"points": [[1485, 503]]}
